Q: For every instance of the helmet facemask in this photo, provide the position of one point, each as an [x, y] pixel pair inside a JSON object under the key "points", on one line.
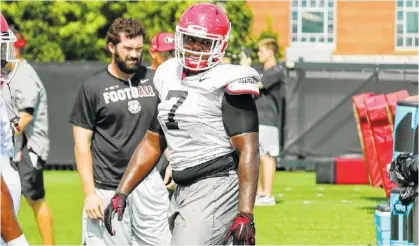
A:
{"points": [[7, 55], [204, 59]]}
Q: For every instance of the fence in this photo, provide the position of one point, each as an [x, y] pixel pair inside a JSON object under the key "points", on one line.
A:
{"points": [[319, 120]]}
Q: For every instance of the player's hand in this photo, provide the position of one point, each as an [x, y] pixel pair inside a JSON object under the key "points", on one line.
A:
{"points": [[116, 205], [93, 206], [242, 231], [168, 180]]}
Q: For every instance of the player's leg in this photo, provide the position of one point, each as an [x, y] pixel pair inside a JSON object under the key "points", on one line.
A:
{"points": [[269, 138], [203, 212], [12, 180], [148, 208], [94, 231], [31, 171], [11, 232], [260, 190]]}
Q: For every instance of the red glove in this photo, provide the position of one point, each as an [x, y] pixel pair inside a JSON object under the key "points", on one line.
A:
{"points": [[117, 205], [242, 230]]}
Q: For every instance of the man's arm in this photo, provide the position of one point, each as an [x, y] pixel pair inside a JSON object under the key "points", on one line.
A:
{"points": [[25, 117], [84, 161], [26, 96], [241, 123], [142, 161], [83, 119], [247, 146]]}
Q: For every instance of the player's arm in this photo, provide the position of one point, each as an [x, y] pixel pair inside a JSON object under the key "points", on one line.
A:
{"points": [[241, 123], [143, 160], [11, 231]]}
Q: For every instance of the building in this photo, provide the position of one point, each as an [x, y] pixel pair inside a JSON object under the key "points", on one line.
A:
{"points": [[343, 30]]}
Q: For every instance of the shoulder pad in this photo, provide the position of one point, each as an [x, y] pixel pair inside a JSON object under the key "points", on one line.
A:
{"points": [[240, 86]]}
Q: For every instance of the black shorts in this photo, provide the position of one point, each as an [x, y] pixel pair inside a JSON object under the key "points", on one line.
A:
{"points": [[31, 172]]}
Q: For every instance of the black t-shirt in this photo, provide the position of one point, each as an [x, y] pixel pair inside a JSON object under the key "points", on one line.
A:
{"points": [[269, 100], [119, 115]]}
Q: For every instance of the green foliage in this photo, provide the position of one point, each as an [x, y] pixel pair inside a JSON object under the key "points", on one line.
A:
{"points": [[58, 31], [267, 33], [156, 16], [241, 18], [75, 30]]}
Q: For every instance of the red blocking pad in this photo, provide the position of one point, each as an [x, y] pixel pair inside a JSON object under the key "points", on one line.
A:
{"points": [[351, 171], [366, 139], [383, 136], [392, 99]]}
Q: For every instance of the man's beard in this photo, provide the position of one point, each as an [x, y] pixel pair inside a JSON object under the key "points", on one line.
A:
{"points": [[125, 67]]}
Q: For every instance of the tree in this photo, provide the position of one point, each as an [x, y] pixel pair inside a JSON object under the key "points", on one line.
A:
{"points": [[75, 30], [58, 31], [267, 33], [241, 18]]}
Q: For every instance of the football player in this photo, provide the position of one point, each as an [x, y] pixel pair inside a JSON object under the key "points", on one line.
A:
{"points": [[162, 48], [11, 232], [208, 120]]}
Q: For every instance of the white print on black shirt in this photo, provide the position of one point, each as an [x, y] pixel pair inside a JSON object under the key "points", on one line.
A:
{"points": [[128, 93]]}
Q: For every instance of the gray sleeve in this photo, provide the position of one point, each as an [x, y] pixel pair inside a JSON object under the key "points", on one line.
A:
{"points": [[26, 93]]}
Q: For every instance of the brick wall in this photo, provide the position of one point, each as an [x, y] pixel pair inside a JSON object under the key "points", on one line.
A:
{"points": [[363, 27]]}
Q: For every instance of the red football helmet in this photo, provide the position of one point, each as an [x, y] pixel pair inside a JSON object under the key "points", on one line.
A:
{"points": [[7, 38], [203, 21]]}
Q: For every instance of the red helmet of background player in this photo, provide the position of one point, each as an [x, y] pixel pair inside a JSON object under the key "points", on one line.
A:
{"points": [[7, 38], [202, 20]]}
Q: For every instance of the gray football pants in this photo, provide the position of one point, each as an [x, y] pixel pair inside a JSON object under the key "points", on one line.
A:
{"points": [[203, 212], [145, 217]]}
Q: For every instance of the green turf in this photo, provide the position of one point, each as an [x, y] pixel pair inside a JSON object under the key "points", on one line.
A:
{"points": [[305, 213]]}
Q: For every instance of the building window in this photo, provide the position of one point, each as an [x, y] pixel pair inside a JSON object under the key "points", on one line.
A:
{"points": [[407, 31], [313, 21]]}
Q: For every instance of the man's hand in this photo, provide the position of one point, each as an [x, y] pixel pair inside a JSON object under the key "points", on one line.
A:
{"points": [[243, 230], [93, 206], [168, 179], [117, 204]]}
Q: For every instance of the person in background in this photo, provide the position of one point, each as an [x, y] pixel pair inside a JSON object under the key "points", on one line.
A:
{"points": [[111, 113], [11, 232], [32, 141], [268, 111], [162, 48]]}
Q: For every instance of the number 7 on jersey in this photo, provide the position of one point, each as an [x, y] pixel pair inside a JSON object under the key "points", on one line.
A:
{"points": [[181, 95]]}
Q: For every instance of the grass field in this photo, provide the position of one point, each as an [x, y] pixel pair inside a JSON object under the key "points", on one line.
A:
{"points": [[305, 213]]}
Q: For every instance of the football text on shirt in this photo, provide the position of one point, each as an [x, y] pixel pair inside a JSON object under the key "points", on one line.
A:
{"points": [[128, 93]]}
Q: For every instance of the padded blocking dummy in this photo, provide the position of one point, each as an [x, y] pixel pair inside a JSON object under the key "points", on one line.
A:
{"points": [[382, 132], [366, 139], [351, 171]]}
